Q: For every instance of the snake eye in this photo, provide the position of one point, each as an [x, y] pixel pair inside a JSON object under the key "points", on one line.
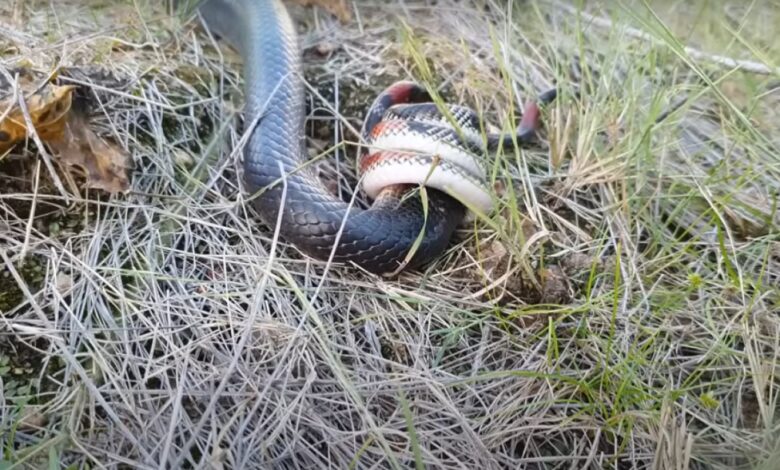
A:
{"points": [[418, 94]]}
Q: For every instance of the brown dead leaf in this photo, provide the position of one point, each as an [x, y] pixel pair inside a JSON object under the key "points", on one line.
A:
{"points": [[338, 8], [47, 108], [105, 164], [493, 259], [555, 286], [65, 131]]}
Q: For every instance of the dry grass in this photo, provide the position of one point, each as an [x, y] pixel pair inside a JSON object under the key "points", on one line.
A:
{"points": [[619, 310]]}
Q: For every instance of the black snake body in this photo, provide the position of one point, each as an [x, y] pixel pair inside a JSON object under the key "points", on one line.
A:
{"points": [[377, 239]]}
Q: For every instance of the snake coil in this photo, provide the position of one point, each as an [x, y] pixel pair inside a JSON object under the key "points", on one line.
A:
{"points": [[410, 140]]}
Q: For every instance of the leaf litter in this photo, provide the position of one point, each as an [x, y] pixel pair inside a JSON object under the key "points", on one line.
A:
{"points": [[63, 127]]}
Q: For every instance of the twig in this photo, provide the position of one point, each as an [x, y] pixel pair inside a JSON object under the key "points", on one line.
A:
{"points": [[33, 207], [696, 54]]}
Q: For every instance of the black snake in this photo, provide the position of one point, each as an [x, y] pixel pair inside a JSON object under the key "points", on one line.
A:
{"points": [[410, 141]]}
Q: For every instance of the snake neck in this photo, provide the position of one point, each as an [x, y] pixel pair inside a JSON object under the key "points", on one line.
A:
{"points": [[273, 83]]}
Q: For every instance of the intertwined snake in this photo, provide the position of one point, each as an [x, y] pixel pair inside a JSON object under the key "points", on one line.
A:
{"points": [[410, 141]]}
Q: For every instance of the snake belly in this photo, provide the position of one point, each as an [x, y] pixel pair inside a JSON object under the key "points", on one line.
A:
{"points": [[410, 142]]}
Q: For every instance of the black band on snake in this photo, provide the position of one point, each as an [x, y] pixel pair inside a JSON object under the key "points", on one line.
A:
{"points": [[410, 141]]}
